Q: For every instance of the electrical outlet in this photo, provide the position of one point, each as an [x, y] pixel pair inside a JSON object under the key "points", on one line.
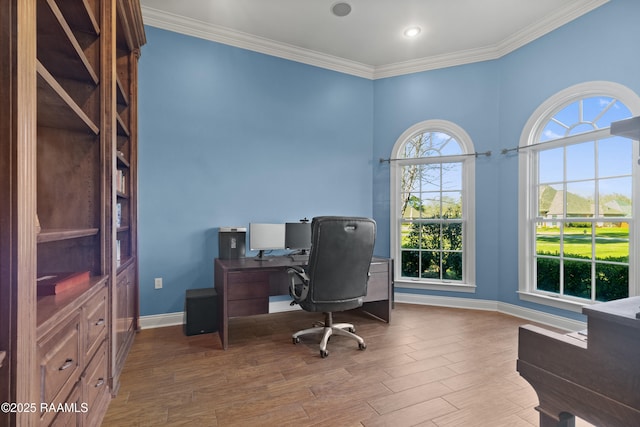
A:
{"points": [[158, 282]]}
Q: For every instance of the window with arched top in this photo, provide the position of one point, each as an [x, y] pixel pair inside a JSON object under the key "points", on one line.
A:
{"points": [[579, 191], [432, 206]]}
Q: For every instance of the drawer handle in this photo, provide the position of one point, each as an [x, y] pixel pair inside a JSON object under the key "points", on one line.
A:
{"points": [[100, 322], [67, 364], [100, 382]]}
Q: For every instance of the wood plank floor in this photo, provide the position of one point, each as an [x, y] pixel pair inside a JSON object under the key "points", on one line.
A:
{"points": [[431, 366]]}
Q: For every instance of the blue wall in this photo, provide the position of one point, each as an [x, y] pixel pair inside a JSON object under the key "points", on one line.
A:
{"points": [[467, 96], [492, 101], [602, 45], [229, 136]]}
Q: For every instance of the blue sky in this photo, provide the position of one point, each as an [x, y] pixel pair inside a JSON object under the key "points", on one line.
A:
{"points": [[613, 163]]}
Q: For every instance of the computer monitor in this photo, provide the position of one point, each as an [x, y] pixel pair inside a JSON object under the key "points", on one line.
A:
{"points": [[265, 237], [298, 236]]}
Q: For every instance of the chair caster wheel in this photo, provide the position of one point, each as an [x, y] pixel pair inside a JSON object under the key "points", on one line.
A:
{"points": [[296, 340], [362, 346], [324, 353]]}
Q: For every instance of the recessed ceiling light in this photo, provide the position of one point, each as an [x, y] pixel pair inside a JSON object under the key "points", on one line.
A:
{"points": [[341, 9], [412, 32]]}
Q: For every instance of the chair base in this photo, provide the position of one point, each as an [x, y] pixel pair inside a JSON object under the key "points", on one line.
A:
{"points": [[327, 329]]}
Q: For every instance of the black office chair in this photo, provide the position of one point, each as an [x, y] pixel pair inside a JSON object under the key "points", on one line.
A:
{"points": [[337, 274]]}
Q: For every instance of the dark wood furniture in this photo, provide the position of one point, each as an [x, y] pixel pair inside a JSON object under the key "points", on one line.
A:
{"points": [[68, 130], [594, 375], [244, 286]]}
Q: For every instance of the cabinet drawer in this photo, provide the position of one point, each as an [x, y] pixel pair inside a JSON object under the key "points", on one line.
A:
{"points": [[59, 360], [248, 307], [72, 417], [241, 291], [94, 379], [96, 321]]}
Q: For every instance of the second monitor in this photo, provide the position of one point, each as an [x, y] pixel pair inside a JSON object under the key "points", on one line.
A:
{"points": [[298, 237]]}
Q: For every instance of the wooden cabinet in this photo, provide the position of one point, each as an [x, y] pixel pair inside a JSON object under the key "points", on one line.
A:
{"points": [[60, 364], [125, 318], [68, 173], [95, 389], [71, 351]]}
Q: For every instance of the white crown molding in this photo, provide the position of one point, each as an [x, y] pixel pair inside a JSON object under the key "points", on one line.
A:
{"points": [[552, 22], [516, 41], [435, 62], [195, 28]]}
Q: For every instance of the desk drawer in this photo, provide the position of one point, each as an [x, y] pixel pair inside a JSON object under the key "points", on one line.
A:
{"points": [[239, 277], [378, 267], [248, 307], [248, 289]]}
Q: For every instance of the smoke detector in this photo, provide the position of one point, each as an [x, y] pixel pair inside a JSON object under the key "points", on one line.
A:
{"points": [[341, 9]]}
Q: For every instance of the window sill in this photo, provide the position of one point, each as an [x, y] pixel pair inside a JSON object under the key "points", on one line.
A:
{"points": [[553, 301], [447, 287]]}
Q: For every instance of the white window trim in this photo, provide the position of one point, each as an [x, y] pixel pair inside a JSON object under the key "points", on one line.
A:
{"points": [[531, 135], [468, 206]]}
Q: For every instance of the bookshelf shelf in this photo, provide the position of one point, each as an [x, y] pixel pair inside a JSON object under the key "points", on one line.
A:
{"points": [[123, 130], [80, 16], [122, 161], [56, 40], [57, 109], [55, 235], [121, 95]]}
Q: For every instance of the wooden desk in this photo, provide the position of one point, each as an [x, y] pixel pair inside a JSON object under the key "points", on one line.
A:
{"points": [[244, 286], [593, 376]]}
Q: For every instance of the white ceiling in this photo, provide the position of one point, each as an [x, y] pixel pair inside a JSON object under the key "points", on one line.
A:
{"points": [[369, 42]]}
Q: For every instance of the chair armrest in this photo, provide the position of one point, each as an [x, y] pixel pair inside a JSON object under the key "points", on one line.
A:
{"points": [[298, 291]]}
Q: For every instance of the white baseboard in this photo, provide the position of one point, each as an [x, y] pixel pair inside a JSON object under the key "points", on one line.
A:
{"points": [[501, 307], [162, 320], [177, 318]]}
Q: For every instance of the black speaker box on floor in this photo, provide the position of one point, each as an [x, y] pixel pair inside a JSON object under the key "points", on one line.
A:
{"points": [[201, 311]]}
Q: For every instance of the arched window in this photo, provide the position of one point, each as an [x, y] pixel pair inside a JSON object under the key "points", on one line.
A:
{"points": [[577, 215], [432, 207]]}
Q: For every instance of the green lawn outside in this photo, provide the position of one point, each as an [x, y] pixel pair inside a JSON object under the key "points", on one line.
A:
{"points": [[611, 242]]}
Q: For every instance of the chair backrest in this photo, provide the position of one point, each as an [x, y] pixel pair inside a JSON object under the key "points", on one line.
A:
{"points": [[339, 262]]}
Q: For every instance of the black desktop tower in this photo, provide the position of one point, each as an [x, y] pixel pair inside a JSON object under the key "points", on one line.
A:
{"points": [[231, 242], [201, 311]]}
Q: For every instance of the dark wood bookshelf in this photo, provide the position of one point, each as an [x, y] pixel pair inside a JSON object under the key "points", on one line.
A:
{"points": [[68, 123]]}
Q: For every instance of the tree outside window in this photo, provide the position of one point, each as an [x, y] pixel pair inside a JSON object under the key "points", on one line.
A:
{"points": [[431, 209]]}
